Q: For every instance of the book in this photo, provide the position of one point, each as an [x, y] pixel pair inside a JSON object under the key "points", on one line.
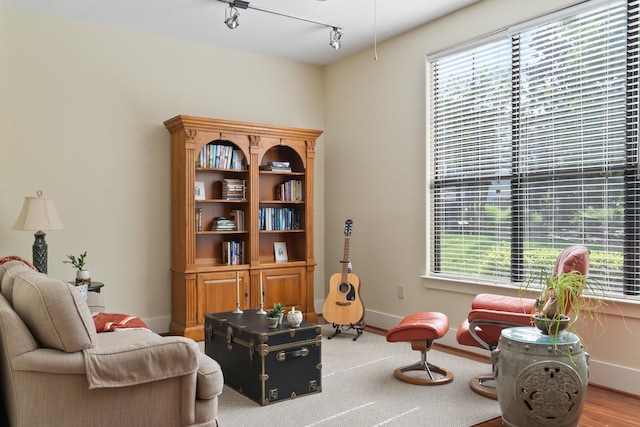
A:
{"points": [[280, 164], [272, 168], [237, 217], [198, 219]]}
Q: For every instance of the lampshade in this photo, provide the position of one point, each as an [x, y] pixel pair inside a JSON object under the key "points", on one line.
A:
{"points": [[38, 213]]}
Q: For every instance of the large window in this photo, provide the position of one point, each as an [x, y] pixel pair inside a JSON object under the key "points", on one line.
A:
{"points": [[533, 139]]}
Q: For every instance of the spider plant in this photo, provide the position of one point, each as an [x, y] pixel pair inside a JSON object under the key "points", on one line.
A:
{"points": [[564, 293]]}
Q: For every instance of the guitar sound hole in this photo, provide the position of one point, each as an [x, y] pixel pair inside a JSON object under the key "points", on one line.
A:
{"points": [[348, 290]]}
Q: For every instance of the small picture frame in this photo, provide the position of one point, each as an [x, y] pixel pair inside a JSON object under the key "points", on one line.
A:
{"points": [[280, 250], [199, 191]]}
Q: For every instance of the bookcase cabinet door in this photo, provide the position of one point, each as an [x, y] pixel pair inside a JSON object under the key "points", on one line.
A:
{"points": [[285, 285], [219, 292]]}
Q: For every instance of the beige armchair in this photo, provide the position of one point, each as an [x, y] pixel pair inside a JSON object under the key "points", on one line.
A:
{"points": [[56, 370]]}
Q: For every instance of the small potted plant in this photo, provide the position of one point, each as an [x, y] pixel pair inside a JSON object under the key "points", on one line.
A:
{"points": [[274, 316], [83, 276]]}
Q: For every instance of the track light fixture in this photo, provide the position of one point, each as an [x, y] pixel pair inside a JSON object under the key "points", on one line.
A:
{"points": [[232, 15], [334, 38]]}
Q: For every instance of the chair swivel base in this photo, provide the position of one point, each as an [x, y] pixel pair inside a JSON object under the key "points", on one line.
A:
{"points": [[444, 376], [484, 385]]}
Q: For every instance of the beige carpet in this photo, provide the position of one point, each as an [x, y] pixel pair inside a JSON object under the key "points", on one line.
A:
{"points": [[358, 390]]}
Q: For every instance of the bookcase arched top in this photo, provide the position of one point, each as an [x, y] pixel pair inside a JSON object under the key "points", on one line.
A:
{"points": [[201, 129]]}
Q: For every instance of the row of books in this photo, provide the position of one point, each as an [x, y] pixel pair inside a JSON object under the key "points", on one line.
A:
{"points": [[233, 253], [279, 219], [277, 167], [234, 189], [221, 156], [290, 191]]}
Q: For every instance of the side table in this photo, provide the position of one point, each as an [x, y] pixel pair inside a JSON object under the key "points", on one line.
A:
{"points": [[540, 378], [95, 286]]}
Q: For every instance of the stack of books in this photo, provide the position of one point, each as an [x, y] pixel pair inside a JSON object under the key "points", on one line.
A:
{"points": [[222, 223], [234, 189], [278, 167]]}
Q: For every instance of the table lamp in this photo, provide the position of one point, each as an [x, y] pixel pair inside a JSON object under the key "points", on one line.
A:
{"points": [[39, 214]]}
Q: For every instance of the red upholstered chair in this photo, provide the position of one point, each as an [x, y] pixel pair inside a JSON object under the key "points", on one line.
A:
{"points": [[490, 314]]}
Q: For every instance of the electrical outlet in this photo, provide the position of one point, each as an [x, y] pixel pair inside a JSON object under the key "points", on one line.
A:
{"points": [[401, 291]]}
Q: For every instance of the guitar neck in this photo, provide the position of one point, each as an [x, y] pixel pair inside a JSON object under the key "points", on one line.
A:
{"points": [[345, 260]]}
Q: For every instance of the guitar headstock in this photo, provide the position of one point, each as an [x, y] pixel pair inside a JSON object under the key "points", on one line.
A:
{"points": [[348, 225]]}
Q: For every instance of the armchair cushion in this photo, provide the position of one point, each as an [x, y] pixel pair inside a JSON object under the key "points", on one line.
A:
{"points": [[8, 272], [55, 312]]}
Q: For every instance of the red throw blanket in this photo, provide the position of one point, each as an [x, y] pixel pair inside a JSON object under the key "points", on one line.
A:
{"points": [[109, 322]]}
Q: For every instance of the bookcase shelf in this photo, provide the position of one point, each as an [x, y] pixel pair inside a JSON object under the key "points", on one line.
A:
{"points": [[202, 280]]}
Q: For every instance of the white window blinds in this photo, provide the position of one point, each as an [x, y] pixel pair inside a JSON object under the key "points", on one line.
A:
{"points": [[534, 141]]}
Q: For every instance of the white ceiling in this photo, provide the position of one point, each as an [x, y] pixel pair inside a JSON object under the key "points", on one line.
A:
{"points": [[202, 21]]}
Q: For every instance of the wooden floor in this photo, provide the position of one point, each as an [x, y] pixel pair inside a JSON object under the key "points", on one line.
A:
{"points": [[602, 408]]}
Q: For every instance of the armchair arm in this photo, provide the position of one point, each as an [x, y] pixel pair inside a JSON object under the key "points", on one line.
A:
{"points": [[502, 303], [140, 362], [50, 361], [210, 378], [484, 326]]}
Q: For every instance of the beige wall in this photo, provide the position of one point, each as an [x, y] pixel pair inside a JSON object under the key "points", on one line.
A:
{"points": [[81, 113], [375, 157]]}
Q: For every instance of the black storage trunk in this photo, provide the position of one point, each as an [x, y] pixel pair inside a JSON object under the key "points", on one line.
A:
{"points": [[266, 365]]}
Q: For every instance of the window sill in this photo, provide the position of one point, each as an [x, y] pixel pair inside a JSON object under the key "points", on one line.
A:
{"points": [[629, 308]]}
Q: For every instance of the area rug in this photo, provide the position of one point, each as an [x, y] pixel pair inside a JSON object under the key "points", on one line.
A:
{"points": [[359, 390]]}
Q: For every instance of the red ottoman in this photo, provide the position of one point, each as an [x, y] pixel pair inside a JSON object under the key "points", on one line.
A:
{"points": [[421, 330]]}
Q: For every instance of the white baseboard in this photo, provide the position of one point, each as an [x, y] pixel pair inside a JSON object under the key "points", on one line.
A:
{"points": [[159, 325], [614, 376], [603, 374]]}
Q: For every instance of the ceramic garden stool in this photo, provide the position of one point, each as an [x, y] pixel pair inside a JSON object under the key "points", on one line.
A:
{"points": [[421, 330]]}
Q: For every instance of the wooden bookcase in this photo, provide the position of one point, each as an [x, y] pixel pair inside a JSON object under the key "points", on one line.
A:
{"points": [[205, 280]]}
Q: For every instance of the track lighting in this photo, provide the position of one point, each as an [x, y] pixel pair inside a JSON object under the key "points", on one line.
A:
{"points": [[334, 38], [232, 15]]}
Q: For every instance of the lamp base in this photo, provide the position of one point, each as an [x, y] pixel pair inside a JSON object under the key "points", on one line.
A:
{"points": [[40, 252]]}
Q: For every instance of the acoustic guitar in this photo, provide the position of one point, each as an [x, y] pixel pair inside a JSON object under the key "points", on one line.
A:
{"points": [[343, 305]]}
